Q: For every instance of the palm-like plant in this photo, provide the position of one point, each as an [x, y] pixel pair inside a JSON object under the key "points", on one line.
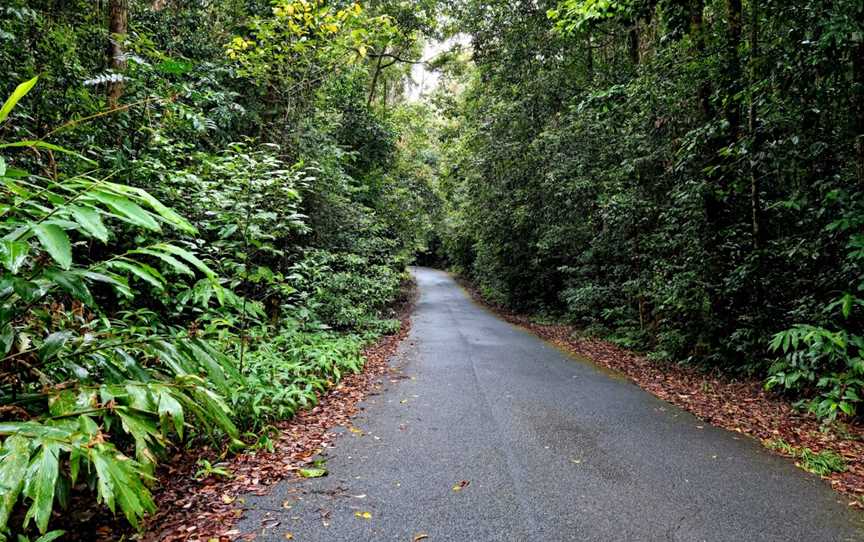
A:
{"points": [[82, 386]]}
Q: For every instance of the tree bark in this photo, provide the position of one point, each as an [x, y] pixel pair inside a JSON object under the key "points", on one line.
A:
{"points": [[858, 97], [633, 44], [752, 120], [374, 80], [697, 34], [118, 26], [733, 66]]}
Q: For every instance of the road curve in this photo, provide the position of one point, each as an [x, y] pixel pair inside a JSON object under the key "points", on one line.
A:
{"points": [[551, 447]]}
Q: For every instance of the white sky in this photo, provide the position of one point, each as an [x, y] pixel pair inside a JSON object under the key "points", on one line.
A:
{"points": [[424, 81]]}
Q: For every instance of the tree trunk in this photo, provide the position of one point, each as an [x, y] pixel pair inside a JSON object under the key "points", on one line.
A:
{"points": [[755, 203], [118, 24], [733, 66], [633, 44], [375, 80], [858, 97], [697, 33]]}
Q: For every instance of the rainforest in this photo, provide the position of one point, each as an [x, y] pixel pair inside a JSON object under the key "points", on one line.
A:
{"points": [[213, 213]]}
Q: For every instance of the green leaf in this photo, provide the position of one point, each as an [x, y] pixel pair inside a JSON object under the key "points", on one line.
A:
{"points": [[32, 143], [53, 343], [7, 338], [170, 408], [55, 241], [2, 166], [127, 209], [175, 67], [35, 430], [312, 473], [142, 271], [120, 284], [16, 173], [165, 212], [846, 303], [90, 219], [139, 396], [188, 256], [28, 290], [40, 484], [73, 284], [211, 408], [13, 254], [143, 430], [19, 92], [15, 188], [215, 372], [777, 341], [176, 264], [50, 537], [14, 458], [62, 403], [119, 483]]}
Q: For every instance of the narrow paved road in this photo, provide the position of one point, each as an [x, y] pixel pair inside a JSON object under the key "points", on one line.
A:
{"points": [[552, 448]]}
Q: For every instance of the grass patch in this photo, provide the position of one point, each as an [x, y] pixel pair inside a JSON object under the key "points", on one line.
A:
{"points": [[822, 463]]}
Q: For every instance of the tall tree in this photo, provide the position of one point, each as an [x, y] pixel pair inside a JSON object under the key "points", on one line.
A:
{"points": [[697, 35], [734, 25], [118, 27], [756, 229], [858, 97]]}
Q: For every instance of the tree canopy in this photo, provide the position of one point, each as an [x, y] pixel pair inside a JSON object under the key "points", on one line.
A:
{"points": [[684, 177]]}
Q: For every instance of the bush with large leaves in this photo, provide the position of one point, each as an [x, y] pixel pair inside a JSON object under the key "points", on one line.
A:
{"points": [[89, 375]]}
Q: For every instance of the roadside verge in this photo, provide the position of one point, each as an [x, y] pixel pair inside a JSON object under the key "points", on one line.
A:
{"points": [[835, 453], [205, 506]]}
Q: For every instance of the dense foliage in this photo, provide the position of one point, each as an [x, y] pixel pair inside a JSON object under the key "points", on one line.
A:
{"points": [[206, 208], [683, 176], [203, 226]]}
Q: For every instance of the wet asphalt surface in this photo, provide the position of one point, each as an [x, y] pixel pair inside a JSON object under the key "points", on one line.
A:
{"points": [[543, 447]]}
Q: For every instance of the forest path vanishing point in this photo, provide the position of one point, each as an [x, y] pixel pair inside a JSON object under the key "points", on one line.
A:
{"points": [[496, 435]]}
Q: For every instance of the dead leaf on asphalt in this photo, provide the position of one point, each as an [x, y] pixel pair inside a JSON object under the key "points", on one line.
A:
{"points": [[460, 485], [312, 473], [418, 537]]}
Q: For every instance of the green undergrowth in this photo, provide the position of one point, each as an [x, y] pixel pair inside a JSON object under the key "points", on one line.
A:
{"points": [[822, 463], [290, 371], [136, 323]]}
